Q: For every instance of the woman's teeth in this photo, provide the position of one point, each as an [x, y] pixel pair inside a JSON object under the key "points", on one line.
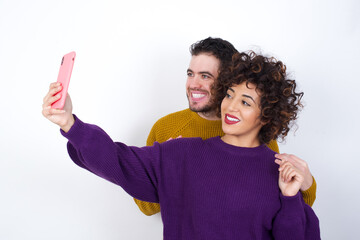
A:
{"points": [[232, 119]]}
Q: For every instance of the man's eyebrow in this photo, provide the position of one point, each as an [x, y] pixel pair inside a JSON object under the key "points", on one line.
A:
{"points": [[205, 72]]}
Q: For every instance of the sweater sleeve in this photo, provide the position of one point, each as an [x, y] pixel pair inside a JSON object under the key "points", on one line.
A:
{"points": [[149, 208], [134, 169], [295, 220]]}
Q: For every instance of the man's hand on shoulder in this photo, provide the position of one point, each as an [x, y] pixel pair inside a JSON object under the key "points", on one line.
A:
{"points": [[173, 138], [301, 165]]}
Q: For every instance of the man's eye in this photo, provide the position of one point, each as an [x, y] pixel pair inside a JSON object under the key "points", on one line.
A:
{"points": [[205, 76], [189, 74]]}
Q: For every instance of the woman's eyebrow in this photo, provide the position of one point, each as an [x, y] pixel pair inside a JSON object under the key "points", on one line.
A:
{"points": [[244, 95]]}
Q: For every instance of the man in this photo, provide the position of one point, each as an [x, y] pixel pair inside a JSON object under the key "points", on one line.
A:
{"points": [[209, 56]]}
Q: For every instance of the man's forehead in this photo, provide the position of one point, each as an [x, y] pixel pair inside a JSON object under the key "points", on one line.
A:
{"points": [[204, 62]]}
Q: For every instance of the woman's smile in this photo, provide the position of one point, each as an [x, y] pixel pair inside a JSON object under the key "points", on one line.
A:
{"points": [[230, 119]]}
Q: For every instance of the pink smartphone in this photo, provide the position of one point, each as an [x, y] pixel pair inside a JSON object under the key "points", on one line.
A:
{"points": [[66, 67]]}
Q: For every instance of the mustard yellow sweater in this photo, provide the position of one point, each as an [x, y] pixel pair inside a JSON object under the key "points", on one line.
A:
{"points": [[187, 123]]}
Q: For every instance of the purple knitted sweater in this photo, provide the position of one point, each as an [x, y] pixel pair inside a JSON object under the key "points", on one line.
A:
{"points": [[207, 189]]}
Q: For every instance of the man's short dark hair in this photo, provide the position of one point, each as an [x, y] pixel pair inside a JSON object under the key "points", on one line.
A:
{"points": [[219, 48]]}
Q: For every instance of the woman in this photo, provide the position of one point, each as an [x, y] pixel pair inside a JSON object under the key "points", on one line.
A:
{"points": [[254, 198]]}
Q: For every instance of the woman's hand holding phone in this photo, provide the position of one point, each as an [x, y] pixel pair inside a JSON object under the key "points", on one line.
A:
{"points": [[57, 106], [62, 117]]}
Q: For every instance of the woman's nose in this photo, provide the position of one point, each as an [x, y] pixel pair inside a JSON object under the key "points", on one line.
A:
{"points": [[233, 106]]}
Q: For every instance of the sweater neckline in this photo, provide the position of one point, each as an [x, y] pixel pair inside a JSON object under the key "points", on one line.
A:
{"points": [[204, 121], [232, 148]]}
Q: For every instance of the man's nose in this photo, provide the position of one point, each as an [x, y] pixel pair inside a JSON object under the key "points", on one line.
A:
{"points": [[196, 82]]}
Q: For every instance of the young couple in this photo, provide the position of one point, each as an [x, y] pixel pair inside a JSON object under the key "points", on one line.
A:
{"points": [[228, 184]]}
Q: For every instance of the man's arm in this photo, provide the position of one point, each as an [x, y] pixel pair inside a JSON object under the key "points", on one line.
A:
{"points": [[309, 195], [149, 208]]}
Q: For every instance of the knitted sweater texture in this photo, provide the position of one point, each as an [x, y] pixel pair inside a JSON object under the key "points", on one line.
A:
{"points": [[188, 176], [187, 123]]}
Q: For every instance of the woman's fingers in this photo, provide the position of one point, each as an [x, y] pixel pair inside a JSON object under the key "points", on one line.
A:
{"points": [[54, 99], [54, 88], [286, 171], [48, 111], [289, 174], [52, 96], [289, 166], [51, 100]]}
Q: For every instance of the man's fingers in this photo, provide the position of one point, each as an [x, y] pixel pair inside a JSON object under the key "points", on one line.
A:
{"points": [[297, 162], [282, 156], [175, 138], [277, 161], [289, 157]]}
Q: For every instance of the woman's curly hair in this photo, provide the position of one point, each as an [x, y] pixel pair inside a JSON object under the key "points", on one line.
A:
{"points": [[279, 102]]}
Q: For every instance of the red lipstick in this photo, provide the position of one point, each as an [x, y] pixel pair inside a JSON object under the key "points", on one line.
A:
{"points": [[230, 119]]}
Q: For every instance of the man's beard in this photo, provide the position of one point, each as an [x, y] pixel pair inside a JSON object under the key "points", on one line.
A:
{"points": [[204, 109]]}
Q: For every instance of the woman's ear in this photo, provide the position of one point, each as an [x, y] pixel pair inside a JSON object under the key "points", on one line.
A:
{"points": [[263, 122]]}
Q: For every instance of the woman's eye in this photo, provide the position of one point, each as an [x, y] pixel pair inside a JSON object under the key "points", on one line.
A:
{"points": [[245, 103], [228, 95]]}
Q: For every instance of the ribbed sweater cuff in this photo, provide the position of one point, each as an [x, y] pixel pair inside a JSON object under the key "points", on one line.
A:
{"points": [[292, 206], [76, 132]]}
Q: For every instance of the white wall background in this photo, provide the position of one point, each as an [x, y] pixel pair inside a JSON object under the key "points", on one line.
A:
{"points": [[131, 69]]}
